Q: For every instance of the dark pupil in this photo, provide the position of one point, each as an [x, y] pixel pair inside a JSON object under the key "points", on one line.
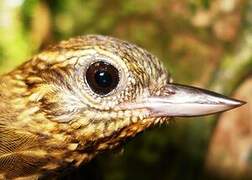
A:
{"points": [[102, 77]]}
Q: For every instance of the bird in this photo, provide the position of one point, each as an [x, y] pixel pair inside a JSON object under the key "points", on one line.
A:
{"points": [[85, 96]]}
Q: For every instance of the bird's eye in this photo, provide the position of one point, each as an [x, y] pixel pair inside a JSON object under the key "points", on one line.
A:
{"points": [[102, 77]]}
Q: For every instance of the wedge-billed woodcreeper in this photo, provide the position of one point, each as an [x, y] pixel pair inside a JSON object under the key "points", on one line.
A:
{"points": [[84, 96]]}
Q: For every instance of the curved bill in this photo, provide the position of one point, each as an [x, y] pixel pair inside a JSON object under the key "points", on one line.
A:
{"points": [[181, 100]]}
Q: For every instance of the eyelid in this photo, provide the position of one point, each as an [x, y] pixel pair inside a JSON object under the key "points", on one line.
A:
{"points": [[101, 101]]}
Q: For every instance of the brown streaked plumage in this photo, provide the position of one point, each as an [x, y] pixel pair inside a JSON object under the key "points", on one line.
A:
{"points": [[53, 116]]}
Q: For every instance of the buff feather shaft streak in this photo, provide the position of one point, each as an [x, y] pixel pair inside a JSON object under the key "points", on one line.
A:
{"points": [[84, 96]]}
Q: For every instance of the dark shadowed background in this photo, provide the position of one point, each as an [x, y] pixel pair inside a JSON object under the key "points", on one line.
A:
{"points": [[205, 43]]}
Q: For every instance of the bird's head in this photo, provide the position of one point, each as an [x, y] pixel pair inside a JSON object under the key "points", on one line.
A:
{"points": [[102, 90]]}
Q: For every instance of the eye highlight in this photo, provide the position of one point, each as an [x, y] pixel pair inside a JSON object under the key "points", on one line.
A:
{"points": [[102, 77]]}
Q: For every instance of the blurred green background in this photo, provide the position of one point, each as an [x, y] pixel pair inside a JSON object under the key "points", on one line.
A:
{"points": [[203, 43]]}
